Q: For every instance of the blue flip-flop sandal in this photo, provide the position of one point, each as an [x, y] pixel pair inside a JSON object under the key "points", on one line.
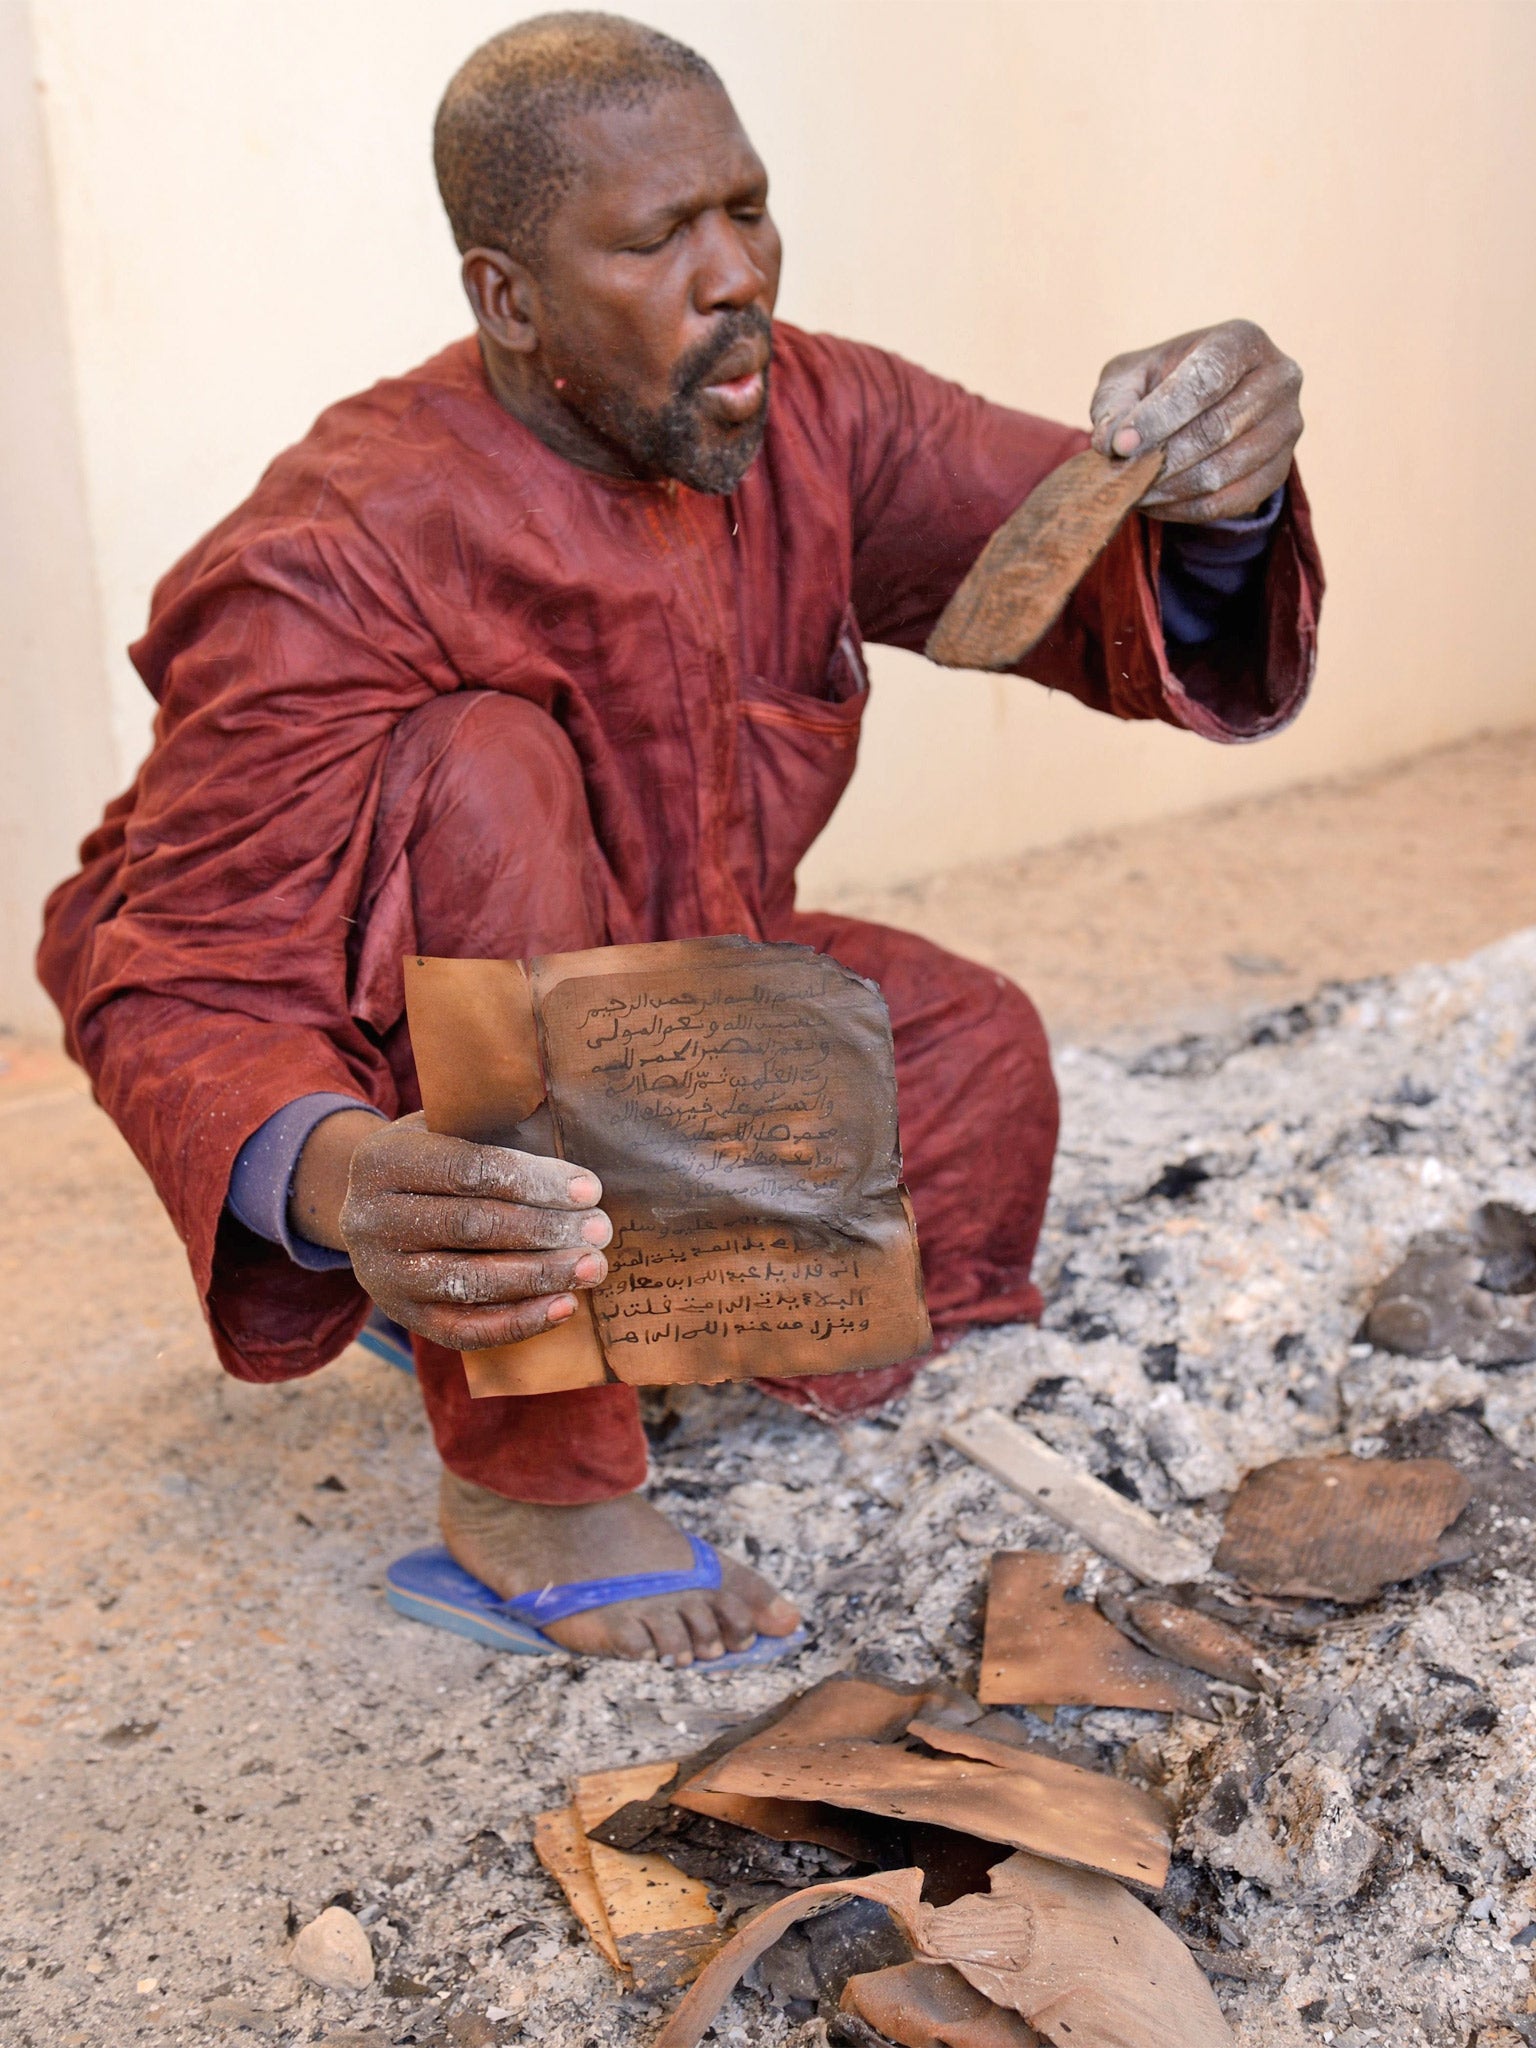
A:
{"points": [[388, 1341], [429, 1586]]}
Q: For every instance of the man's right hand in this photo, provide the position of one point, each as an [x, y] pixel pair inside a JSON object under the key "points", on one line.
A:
{"points": [[467, 1244]]}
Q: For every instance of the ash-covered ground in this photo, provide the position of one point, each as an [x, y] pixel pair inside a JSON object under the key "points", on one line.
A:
{"points": [[217, 1727]]}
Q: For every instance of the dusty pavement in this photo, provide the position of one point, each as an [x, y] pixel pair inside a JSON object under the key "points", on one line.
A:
{"points": [[212, 1722], [1177, 924]]}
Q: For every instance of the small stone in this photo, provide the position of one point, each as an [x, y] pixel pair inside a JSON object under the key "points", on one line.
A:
{"points": [[333, 1952], [147, 1986]]}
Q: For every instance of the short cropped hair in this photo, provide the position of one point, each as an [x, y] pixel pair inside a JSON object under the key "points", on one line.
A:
{"points": [[500, 144]]}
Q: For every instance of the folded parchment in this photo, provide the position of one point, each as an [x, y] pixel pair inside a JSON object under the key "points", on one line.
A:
{"points": [[738, 1103]]}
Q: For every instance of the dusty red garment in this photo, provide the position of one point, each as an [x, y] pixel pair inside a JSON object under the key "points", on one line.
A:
{"points": [[702, 656], [483, 847]]}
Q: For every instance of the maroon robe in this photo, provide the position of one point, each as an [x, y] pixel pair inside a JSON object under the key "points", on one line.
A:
{"points": [[701, 655]]}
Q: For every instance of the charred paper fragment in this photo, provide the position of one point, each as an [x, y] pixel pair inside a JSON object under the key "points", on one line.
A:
{"points": [[1291, 1621], [1021, 1800], [1116, 1527], [724, 1856], [1002, 1728], [851, 1707], [1043, 1648], [1099, 1969], [648, 1917], [813, 1961], [1070, 1951], [561, 1846], [930, 2005], [631, 1060], [847, 2030], [1340, 1528], [1468, 1294], [1498, 1527], [952, 1864], [899, 1891], [1166, 1628], [1020, 583]]}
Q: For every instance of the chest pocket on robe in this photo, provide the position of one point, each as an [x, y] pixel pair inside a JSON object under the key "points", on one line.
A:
{"points": [[797, 750]]}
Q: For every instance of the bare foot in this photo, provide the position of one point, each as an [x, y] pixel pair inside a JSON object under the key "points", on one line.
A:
{"points": [[517, 1547]]}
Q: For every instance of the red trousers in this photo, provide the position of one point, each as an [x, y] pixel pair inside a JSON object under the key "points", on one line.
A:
{"points": [[485, 794]]}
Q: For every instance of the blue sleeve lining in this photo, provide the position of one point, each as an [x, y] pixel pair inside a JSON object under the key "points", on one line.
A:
{"points": [[262, 1176], [1208, 571]]}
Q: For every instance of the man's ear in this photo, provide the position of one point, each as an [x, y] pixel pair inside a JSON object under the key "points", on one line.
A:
{"points": [[504, 297]]}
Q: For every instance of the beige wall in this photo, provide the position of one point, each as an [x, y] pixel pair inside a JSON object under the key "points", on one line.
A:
{"points": [[1008, 190], [56, 753]]}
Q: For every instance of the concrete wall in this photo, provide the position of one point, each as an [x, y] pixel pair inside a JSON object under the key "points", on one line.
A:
{"points": [[1007, 190], [56, 754]]}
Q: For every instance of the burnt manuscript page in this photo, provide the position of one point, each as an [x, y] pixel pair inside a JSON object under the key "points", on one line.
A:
{"points": [[738, 1102]]}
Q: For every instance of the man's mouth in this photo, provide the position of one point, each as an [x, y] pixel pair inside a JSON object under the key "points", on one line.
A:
{"points": [[736, 386]]}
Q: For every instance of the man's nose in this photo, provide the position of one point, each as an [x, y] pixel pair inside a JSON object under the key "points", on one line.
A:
{"points": [[729, 275]]}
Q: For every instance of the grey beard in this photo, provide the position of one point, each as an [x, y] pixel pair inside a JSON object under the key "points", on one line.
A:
{"points": [[674, 441]]}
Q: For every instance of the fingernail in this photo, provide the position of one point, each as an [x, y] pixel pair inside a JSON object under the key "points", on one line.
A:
{"points": [[585, 1190], [1126, 441], [588, 1269], [561, 1309], [596, 1229]]}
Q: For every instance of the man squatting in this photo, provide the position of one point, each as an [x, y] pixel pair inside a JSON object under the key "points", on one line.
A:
{"points": [[555, 642]]}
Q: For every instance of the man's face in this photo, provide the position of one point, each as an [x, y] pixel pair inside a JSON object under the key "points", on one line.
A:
{"points": [[656, 287]]}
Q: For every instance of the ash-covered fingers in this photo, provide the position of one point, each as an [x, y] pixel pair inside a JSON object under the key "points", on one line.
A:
{"points": [[471, 1245], [1183, 379], [1223, 404], [1262, 413], [406, 1159], [1234, 501], [468, 1280], [476, 1329], [1126, 382], [428, 1223]]}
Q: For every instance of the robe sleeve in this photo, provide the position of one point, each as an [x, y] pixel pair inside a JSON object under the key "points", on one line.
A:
{"points": [[200, 956], [936, 470]]}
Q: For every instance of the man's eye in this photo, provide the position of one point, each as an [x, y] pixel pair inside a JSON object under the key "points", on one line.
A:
{"points": [[650, 248]]}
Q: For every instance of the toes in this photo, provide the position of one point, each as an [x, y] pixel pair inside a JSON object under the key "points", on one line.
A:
{"points": [[670, 1633], [779, 1618], [771, 1614], [736, 1623], [699, 1614], [629, 1637], [606, 1633]]}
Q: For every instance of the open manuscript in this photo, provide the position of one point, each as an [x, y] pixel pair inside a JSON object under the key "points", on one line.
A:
{"points": [[738, 1102]]}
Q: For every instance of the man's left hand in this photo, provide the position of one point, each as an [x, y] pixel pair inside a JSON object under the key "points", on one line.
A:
{"points": [[1222, 403]]}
